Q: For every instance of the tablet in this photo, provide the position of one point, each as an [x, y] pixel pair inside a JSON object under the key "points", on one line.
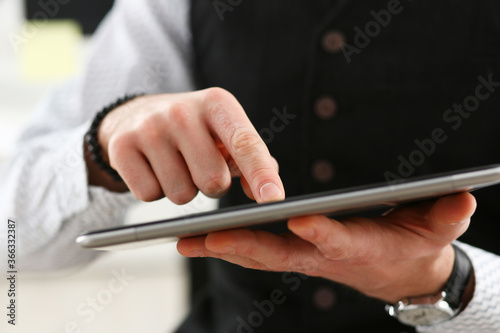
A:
{"points": [[337, 202]]}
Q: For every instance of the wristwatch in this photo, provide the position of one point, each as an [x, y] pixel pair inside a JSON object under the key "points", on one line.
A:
{"points": [[435, 309]]}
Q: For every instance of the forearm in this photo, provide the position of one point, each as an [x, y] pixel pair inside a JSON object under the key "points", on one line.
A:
{"points": [[46, 186], [45, 191]]}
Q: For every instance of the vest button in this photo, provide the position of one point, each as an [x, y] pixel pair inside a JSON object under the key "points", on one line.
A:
{"points": [[322, 171], [325, 108], [324, 298], [333, 41]]}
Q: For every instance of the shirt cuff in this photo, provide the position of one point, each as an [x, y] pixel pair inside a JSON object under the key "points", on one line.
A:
{"points": [[53, 203], [482, 315]]}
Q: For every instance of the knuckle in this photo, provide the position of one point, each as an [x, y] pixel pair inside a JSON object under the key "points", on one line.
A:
{"points": [[333, 243], [150, 121], [120, 146], [182, 196], [261, 174], [244, 142], [179, 115], [150, 128], [147, 194], [216, 186], [152, 137], [219, 105], [276, 165], [283, 261], [217, 94], [309, 266], [332, 252]]}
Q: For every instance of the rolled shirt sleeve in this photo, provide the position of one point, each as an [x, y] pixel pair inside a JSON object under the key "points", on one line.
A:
{"points": [[140, 47]]}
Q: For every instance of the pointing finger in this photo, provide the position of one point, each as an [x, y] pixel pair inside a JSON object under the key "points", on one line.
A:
{"points": [[232, 126]]}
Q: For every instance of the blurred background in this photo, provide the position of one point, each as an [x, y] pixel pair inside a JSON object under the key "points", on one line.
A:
{"points": [[141, 290]]}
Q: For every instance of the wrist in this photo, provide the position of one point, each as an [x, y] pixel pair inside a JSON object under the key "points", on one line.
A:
{"points": [[436, 308], [99, 177], [424, 276], [100, 173], [430, 277]]}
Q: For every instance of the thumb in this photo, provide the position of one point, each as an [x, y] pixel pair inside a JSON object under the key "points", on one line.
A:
{"points": [[450, 215]]}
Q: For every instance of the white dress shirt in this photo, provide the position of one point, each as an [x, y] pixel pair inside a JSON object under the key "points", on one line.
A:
{"points": [[141, 46]]}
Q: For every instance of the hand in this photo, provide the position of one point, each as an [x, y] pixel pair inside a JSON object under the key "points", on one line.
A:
{"points": [[404, 253], [176, 144]]}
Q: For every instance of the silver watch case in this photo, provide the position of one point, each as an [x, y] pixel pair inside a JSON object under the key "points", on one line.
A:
{"points": [[422, 311]]}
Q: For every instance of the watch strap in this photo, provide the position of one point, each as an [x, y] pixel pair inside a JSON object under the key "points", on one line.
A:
{"points": [[459, 279]]}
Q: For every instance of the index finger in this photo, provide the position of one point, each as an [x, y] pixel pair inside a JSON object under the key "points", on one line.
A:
{"points": [[229, 122]]}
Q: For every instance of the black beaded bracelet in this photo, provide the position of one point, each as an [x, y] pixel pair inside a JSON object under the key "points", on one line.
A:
{"points": [[91, 136]]}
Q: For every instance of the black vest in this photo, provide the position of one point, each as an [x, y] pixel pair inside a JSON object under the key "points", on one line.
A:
{"points": [[415, 89]]}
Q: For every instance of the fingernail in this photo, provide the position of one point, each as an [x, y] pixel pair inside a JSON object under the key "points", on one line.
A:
{"points": [[270, 192]]}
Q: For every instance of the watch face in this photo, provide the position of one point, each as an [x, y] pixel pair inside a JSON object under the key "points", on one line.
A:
{"points": [[423, 316]]}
